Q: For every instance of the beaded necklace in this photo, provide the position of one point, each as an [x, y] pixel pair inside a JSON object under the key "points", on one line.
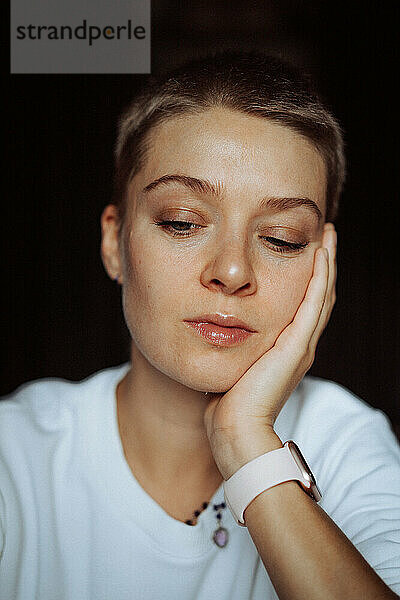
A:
{"points": [[220, 536]]}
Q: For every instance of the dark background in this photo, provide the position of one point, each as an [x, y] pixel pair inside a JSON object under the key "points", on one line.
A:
{"points": [[62, 315]]}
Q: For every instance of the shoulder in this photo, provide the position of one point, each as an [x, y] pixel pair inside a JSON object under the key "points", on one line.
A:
{"points": [[45, 427], [342, 436], [348, 442], [46, 405], [324, 405], [355, 457]]}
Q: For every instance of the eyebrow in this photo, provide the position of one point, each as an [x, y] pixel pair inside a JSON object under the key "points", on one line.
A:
{"points": [[207, 187]]}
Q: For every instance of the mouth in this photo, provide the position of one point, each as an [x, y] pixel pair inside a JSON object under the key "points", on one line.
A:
{"points": [[221, 330]]}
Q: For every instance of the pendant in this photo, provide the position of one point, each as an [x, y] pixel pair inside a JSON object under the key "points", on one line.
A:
{"points": [[221, 537]]}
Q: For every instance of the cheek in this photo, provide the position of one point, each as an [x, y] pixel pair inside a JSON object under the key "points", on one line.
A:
{"points": [[155, 297], [282, 291], [153, 283]]}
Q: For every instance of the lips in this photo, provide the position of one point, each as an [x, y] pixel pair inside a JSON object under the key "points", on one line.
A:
{"points": [[223, 320], [221, 330]]}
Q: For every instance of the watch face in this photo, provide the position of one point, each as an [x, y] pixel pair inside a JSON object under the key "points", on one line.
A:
{"points": [[313, 489]]}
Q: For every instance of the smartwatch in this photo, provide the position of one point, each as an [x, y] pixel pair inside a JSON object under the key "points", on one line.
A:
{"points": [[264, 472]]}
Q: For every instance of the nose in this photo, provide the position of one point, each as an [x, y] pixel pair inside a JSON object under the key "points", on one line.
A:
{"points": [[229, 269]]}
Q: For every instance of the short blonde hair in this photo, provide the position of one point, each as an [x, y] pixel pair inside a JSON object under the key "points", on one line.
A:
{"points": [[252, 83]]}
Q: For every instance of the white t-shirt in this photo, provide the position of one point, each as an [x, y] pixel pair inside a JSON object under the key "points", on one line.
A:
{"points": [[77, 525]]}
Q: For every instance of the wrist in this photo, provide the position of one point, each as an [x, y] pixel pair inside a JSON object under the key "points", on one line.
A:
{"points": [[244, 446]]}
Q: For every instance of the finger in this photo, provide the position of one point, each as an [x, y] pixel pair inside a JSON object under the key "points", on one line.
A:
{"points": [[330, 242], [299, 333]]}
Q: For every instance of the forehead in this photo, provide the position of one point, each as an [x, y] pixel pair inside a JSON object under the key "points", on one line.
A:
{"points": [[244, 153]]}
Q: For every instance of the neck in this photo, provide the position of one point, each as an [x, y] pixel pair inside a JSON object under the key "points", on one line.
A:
{"points": [[162, 428]]}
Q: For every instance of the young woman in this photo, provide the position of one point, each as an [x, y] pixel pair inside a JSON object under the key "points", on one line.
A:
{"points": [[169, 477]]}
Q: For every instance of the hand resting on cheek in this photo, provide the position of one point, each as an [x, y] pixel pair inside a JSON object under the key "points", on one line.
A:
{"points": [[254, 402]]}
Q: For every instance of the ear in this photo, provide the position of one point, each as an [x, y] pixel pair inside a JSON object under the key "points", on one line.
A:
{"points": [[110, 253]]}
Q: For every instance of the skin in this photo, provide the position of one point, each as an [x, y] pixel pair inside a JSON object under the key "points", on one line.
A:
{"points": [[170, 430], [223, 267]]}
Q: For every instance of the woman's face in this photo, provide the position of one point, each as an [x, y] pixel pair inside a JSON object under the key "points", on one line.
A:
{"points": [[245, 202]]}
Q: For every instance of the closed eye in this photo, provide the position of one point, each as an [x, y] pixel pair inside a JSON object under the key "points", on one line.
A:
{"points": [[185, 228], [178, 228], [283, 245]]}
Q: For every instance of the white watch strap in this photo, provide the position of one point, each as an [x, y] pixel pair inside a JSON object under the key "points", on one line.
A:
{"points": [[258, 475]]}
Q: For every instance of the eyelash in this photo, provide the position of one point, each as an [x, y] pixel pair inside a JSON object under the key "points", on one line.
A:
{"points": [[279, 245]]}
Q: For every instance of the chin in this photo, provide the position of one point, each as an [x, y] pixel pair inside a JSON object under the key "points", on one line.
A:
{"points": [[212, 388], [216, 373], [213, 380]]}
